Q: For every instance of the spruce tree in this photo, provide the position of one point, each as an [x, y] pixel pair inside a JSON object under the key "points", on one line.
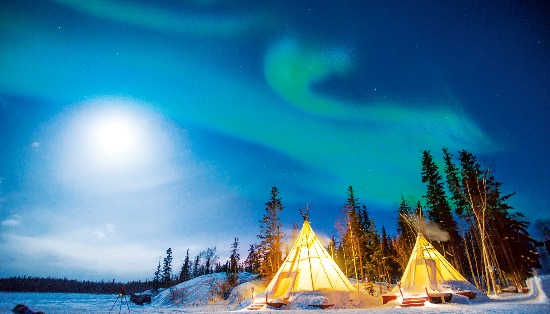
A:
{"points": [[354, 237], [439, 211], [185, 273], [197, 266], [167, 269], [157, 278], [406, 234], [373, 261], [453, 180], [252, 263], [271, 235], [391, 267], [233, 266]]}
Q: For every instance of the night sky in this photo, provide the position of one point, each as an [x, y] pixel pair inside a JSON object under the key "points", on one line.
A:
{"points": [[127, 127]]}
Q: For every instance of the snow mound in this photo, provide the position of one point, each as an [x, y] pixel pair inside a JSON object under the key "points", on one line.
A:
{"points": [[207, 290]]}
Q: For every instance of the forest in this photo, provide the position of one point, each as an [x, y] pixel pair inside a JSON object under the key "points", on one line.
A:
{"points": [[464, 213]]}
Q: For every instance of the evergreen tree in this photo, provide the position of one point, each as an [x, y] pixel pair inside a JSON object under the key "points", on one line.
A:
{"points": [[197, 266], [185, 273], [156, 278], [219, 268], [373, 261], [167, 269], [271, 235], [439, 211], [453, 179], [390, 267], [233, 266], [252, 262], [353, 237]]}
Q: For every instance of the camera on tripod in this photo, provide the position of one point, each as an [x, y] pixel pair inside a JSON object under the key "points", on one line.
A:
{"points": [[121, 299]]}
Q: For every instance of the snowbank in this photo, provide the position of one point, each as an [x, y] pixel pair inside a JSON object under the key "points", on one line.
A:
{"points": [[540, 287], [206, 292]]}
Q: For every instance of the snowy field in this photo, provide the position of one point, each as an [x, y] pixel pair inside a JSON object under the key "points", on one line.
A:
{"points": [[196, 296]]}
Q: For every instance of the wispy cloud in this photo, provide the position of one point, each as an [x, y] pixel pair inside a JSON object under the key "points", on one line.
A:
{"points": [[12, 222], [103, 232]]}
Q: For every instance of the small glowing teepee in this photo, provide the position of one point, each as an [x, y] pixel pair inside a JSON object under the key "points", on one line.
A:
{"points": [[307, 267], [429, 272]]}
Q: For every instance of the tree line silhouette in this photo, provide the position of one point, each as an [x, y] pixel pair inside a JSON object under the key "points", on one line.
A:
{"points": [[49, 284]]}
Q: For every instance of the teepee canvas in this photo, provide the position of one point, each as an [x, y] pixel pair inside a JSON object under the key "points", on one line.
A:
{"points": [[307, 267], [429, 272]]}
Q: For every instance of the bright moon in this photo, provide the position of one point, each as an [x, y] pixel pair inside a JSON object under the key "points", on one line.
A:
{"points": [[115, 136], [113, 142]]}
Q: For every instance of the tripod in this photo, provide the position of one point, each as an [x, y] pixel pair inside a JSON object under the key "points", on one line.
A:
{"points": [[122, 298]]}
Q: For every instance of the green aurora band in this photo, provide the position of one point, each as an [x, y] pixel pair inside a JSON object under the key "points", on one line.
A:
{"points": [[375, 146]]}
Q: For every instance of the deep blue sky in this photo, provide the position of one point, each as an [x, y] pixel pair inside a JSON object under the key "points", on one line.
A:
{"points": [[129, 127]]}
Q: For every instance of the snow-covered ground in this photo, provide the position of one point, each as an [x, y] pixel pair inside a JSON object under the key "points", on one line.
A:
{"points": [[200, 295]]}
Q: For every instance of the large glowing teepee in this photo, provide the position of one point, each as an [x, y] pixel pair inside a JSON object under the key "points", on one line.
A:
{"points": [[308, 267]]}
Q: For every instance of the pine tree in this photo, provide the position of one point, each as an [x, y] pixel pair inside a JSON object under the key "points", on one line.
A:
{"points": [[271, 235], [156, 278], [197, 266], [233, 266], [185, 273], [373, 261], [453, 180], [252, 263], [167, 269], [439, 211], [388, 267], [353, 236]]}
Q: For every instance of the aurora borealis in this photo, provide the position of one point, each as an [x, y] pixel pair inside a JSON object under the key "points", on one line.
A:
{"points": [[211, 103]]}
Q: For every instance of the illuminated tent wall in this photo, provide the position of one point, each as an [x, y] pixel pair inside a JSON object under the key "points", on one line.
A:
{"points": [[308, 267], [428, 271]]}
